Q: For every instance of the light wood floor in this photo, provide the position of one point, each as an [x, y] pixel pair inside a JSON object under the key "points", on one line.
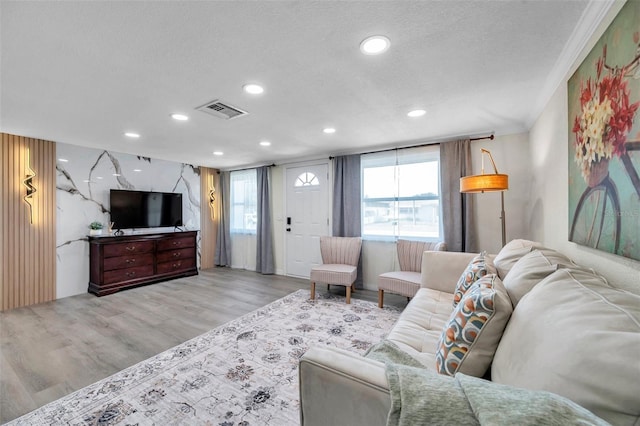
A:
{"points": [[52, 349]]}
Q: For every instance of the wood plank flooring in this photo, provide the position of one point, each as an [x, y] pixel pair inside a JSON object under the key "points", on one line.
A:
{"points": [[52, 349]]}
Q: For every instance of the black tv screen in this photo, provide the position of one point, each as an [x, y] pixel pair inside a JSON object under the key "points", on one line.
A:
{"points": [[141, 209]]}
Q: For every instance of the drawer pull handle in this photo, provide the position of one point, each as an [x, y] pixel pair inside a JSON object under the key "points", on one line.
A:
{"points": [[130, 248], [176, 254], [177, 265], [130, 274], [177, 243], [130, 260]]}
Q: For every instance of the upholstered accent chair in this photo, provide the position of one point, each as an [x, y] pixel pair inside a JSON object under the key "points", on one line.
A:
{"points": [[340, 256], [406, 281]]}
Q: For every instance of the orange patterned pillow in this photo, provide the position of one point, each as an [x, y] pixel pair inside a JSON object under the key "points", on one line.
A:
{"points": [[479, 266], [471, 336]]}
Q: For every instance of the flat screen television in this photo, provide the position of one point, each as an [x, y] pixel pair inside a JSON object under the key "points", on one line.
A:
{"points": [[143, 209]]}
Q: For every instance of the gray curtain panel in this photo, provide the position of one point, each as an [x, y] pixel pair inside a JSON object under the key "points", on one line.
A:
{"points": [[347, 203], [264, 238], [346, 196], [223, 241], [457, 208]]}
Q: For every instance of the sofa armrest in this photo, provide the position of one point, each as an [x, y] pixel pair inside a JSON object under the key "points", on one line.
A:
{"points": [[442, 269], [341, 387]]}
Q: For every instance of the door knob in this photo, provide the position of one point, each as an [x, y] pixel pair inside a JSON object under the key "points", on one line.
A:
{"points": [[288, 229]]}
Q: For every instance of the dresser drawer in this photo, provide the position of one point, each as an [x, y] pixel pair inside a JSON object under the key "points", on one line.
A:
{"points": [[178, 254], [128, 274], [175, 243], [128, 261], [176, 265], [122, 262], [128, 248]]}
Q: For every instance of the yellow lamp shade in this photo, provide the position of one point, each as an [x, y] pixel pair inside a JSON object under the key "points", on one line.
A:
{"points": [[482, 183]]}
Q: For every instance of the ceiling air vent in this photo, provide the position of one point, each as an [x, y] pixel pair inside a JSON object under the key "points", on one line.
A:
{"points": [[221, 110]]}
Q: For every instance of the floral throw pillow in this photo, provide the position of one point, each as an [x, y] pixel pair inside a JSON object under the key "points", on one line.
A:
{"points": [[471, 336], [477, 268]]}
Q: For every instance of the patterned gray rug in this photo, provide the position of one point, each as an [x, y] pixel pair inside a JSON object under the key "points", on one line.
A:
{"points": [[242, 373]]}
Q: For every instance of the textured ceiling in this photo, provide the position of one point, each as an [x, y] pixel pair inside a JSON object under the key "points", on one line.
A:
{"points": [[83, 73]]}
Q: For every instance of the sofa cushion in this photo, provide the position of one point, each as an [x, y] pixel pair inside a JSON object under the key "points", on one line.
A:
{"points": [[438, 268], [479, 266], [470, 337], [532, 268], [511, 253], [420, 325], [578, 337]]}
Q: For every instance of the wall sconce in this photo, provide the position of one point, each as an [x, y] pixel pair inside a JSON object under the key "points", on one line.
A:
{"points": [[212, 199], [488, 183], [28, 183]]}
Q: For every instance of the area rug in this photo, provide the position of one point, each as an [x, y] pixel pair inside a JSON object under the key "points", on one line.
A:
{"points": [[242, 373]]}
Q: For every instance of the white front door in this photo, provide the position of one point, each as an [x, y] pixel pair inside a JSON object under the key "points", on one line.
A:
{"points": [[307, 217]]}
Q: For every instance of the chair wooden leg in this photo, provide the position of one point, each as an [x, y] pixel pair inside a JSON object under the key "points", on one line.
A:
{"points": [[328, 287], [313, 290], [348, 295], [353, 288], [380, 297]]}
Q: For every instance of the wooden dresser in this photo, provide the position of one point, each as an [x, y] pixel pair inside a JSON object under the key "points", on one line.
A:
{"points": [[121, 262]]}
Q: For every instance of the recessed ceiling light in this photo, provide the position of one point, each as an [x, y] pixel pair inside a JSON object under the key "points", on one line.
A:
{"points": [[137, 170], [329, 130], [265, 143], [179, 117], [218, 153], [374, 45], [416, 113], [98, 177], [254, 89], [132, 135], [63, 160], [115, 174], [86, 181]]}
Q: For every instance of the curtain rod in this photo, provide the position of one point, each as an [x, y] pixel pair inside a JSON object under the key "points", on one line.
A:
{"points": [[490, 137], [248, 168]]}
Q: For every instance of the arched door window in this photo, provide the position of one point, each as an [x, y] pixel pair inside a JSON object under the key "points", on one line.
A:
{"points": [[306, 179]]}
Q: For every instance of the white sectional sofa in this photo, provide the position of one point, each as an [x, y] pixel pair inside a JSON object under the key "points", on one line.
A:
{"points": [[555, 327]]}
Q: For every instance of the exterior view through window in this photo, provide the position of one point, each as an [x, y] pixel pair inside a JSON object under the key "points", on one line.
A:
{"points": [[401, 194], [244, 201]]}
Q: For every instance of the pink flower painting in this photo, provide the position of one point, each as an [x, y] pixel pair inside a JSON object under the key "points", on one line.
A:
{"points": [[604, 140]]}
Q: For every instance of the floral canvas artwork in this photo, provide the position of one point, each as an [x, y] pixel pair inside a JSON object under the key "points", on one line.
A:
{"points": [[604, 140]]}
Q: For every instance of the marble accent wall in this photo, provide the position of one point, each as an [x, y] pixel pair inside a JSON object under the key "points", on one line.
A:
{"points": [[82, 196]]}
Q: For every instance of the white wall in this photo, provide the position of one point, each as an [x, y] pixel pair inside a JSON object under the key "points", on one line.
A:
{"points": [[510, 153], [277, 216], [548, 216], [378, 257]]}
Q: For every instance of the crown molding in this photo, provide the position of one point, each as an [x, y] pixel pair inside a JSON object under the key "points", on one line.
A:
{"points": [[589, 22]]}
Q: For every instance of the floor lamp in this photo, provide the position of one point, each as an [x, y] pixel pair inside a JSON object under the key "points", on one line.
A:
{"points": [[488, 183]]}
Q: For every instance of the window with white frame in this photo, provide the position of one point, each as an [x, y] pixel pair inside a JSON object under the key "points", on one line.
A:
{"points": [[401, 194], [244, 201]]}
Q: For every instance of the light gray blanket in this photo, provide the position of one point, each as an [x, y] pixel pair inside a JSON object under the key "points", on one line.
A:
{"points": [[423, 397]]}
